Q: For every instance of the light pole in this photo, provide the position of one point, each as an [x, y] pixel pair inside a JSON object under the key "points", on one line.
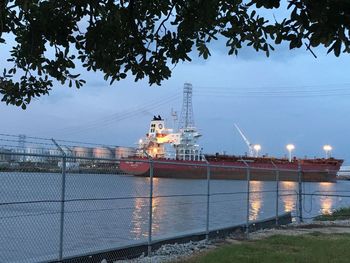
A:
{"points": [[327, 148], [257, 148], [290, 148]]}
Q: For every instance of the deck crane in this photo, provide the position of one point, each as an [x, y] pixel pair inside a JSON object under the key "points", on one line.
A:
{"points": [[250, 146]]}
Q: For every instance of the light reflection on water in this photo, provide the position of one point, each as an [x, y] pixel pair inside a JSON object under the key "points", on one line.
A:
{"points": [[138, 220], [255, 199], [258, 199], [326, 202], [140, 214], [157, 211], [312, 202], [288, 195], [326, 205]]}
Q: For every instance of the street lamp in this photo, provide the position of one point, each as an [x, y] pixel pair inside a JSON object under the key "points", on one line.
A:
{"points": [[257, 148], [327, 148], [290, 148]]}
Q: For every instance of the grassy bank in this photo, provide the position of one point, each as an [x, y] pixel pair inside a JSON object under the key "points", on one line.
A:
{"points": [[339, 214], [305, 248]]}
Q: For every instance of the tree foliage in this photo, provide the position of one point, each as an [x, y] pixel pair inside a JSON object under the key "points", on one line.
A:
{"points": [[147, 38]]}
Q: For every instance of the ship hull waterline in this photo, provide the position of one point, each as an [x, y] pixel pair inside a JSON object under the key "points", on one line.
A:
{"points": [[220, 172]]}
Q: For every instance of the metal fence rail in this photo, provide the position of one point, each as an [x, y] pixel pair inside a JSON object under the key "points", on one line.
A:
{"points": [[53, 209]]}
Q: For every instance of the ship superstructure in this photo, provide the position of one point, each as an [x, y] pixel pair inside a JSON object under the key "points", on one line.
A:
{"points": [[158, 136], [184, 141], [188, 149]]}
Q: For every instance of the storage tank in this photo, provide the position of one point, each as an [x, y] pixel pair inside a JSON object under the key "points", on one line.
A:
{"points": [[34, 150], [123, 152], [82, 151], [55, 155], [18, 158], [5, 155], [68, 151], [54, 152], [102, 152]]}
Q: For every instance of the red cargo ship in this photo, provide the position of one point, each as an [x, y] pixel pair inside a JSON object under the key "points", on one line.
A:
{"points": [[189, 162], [234, 168]]}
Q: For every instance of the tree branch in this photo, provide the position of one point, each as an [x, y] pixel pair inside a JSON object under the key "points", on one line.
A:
{"points": [[308, 47], [166, 19]]}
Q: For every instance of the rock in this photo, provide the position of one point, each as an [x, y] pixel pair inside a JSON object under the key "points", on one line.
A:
{"points": [[171, 252]]}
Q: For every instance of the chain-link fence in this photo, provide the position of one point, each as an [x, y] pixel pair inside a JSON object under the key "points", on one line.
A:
{"points": [[59, 206]]}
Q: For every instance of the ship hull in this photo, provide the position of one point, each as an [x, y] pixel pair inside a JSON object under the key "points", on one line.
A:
{"points": [[310, 172]]}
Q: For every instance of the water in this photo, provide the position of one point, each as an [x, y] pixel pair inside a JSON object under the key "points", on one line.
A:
{"points": [[109, 211]]}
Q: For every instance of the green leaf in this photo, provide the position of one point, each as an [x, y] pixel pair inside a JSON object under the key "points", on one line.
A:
{"points": [[337, 48]]}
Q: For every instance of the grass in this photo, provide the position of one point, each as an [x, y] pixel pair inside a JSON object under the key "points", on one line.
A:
{"points": [[339, 214], [312, 248]]}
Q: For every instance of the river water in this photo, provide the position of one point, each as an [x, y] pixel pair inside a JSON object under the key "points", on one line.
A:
{"points": [[109, 211]]}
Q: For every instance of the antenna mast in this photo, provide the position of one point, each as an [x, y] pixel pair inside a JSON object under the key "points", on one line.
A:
{"points": [[175, 118], [186, 119], [250, 146]]}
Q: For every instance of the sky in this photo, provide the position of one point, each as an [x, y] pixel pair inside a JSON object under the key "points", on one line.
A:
{"points": [[290, 97]]}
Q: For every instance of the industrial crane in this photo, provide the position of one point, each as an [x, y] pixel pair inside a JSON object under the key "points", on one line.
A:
{"points": [[250, 146]]}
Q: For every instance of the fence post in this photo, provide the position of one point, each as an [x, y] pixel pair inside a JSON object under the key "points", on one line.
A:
{"points": [[63, 193], [277, 192], [63, 196], [248, 201], [300, 193], [248, 197], [151, 170], [208, 202]]}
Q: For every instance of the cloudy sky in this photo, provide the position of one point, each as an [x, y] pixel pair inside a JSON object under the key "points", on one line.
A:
{"points": [[290, 97]]}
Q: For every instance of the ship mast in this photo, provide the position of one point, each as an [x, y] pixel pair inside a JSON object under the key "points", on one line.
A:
{"points": [[186, 119], [187, 148], [174, 115]]}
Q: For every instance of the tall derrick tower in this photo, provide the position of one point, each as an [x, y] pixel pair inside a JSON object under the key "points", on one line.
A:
{"points": [[187, 148], [21, 147], [21, 141], [186, 118]]}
